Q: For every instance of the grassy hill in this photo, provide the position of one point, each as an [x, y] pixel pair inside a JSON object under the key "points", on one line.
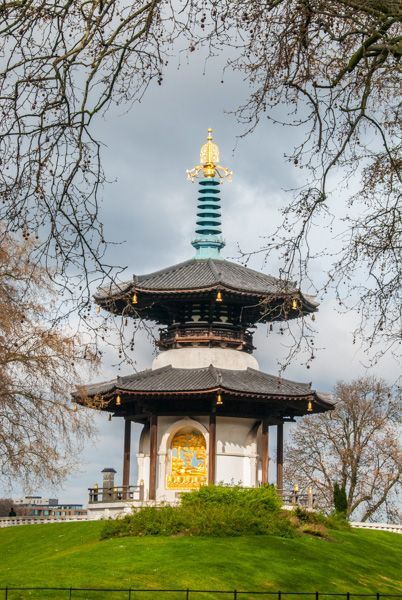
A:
{"points": [[71, 554]]}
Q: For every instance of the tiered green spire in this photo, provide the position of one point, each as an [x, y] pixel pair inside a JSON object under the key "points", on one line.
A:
{"points": [[209, 241]]}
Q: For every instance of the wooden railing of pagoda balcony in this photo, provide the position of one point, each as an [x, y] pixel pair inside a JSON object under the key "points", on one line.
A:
{"points": [[116, 494], [294, 498], [99, 495], [188, 334]]}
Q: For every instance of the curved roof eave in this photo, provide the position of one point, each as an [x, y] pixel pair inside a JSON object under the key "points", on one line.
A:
{"points": [[170, 381], [203, 276]]}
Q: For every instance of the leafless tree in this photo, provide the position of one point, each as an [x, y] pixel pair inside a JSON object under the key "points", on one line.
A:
{"points": [[64, 63], [333, 64], [40, 429], [334, 67], [357, 445]]}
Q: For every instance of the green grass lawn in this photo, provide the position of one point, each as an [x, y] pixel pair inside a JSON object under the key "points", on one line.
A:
{"points": [[71, 554]]}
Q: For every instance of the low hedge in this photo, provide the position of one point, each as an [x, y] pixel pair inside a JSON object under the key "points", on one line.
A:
{"points": [[211, 511]]}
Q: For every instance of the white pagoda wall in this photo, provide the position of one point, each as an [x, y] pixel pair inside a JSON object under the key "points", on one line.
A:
{"points": [[237, 459], [200, 358], [237, 439], [236, 451]]}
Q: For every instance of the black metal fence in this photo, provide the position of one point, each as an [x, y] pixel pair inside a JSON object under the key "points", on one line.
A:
{"points": [[74, 593]]}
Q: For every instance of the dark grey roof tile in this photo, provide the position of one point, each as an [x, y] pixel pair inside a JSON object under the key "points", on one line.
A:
{"points": [[169, 379], [201, 274]]}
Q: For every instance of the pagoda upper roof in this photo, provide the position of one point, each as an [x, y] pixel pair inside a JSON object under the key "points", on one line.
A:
{"points": [[199, 276], [168, 381]]}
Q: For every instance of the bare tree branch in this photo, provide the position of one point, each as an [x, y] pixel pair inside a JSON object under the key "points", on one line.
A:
{"points": [[357, 445], [40, 430]]}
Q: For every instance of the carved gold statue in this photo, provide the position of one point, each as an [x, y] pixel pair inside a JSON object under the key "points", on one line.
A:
{"points": [[188, 465]]}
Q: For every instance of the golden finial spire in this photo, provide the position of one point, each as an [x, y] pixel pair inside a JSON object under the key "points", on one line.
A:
{"points": [[209, 162]]}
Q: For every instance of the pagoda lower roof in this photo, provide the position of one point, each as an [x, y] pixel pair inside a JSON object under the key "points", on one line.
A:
{"points": [[203, 275], [169, 381]]}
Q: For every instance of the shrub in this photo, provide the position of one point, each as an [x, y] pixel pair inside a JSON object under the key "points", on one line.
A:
{"points": [[220, 511], [340, 499], [338, 521], [210, 511], [307, 516], [264, 497]]}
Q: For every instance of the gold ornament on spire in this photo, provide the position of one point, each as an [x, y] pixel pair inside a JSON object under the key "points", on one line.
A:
{"points": [[209, 163]]}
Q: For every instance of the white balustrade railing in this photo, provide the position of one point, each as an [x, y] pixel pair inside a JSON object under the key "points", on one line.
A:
{"points": [[24, 520], [377, 526]]}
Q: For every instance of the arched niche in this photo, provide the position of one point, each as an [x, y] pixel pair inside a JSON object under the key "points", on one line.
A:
{"points": [[186, 459]]}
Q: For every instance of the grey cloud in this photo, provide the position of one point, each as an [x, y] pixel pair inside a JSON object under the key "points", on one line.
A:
{"points": [[151, 207]]}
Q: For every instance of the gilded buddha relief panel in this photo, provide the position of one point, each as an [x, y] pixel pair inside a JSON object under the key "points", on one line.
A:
{"points": [[187, 460]]}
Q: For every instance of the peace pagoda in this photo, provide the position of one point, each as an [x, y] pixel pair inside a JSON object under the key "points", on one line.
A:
{"points": [[205, 406]]}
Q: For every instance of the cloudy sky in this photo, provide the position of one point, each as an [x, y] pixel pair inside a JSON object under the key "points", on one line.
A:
{"points": [[150, 207]]}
